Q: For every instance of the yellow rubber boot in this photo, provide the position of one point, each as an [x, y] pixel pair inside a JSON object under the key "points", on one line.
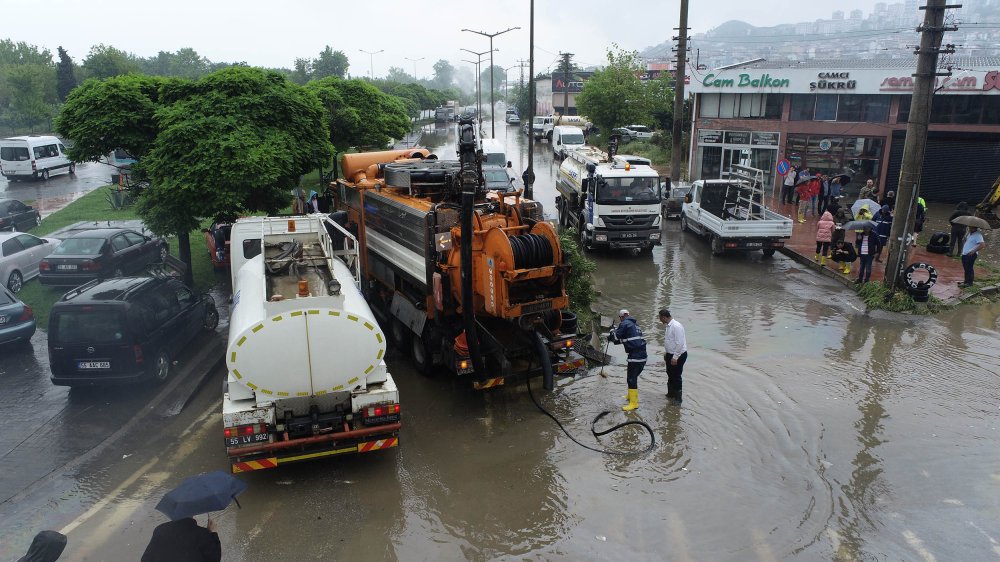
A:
{"points": [[822, 260], [816, 257], [633, 400]]}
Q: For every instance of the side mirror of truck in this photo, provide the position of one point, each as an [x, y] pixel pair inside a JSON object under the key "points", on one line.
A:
{"points": [[688, 198]]}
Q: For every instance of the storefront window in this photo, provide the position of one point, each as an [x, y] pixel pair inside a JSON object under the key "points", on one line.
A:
{"points": [[802, 107], [856, 156], [968, 110], [826, 108], [740, 106], [711, 161]]}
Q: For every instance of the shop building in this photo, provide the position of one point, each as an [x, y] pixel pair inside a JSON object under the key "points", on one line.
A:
{"points": [[848, 116]]}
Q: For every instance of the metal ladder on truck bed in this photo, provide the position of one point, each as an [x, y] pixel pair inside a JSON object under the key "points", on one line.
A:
{"points": [[745, 193]]}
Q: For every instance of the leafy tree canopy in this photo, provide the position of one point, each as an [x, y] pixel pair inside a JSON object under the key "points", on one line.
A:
{"points": [[105, 61], [614, 96], [329, 63], [65, 75], [234, 141], [444, 75], [359, 114], [102, 115], [12, 54]]}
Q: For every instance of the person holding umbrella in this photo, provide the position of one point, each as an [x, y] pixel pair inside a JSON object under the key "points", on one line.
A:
{"points": [[182, 538], [957, 229]]}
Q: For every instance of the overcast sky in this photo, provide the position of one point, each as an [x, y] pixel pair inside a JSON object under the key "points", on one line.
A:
{"points": [[273, 34]]}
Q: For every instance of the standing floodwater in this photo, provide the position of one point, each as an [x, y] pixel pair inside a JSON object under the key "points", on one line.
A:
{"points": [[809, 430]]}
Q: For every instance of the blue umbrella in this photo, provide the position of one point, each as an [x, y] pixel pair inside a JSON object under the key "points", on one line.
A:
{"points": [[201, 494]]}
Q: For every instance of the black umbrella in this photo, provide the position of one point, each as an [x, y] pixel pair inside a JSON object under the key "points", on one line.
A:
{"points": [[201, 494], [844, 179]]}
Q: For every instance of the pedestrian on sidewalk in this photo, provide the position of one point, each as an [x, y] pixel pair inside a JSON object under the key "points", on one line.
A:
{"points": [[844, 254], [629, 335], [675, 354], [957, 230], [869, 191], [802, 191], [824, 235], [867, 248], [918, 224], [788, 187], [836, 190], [883, 227], [824, 194], [814, 189], [890, 200], [184, 539], [970, 251]]}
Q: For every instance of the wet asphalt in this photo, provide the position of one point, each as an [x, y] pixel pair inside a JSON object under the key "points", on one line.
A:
{"points": [[810, 430]]}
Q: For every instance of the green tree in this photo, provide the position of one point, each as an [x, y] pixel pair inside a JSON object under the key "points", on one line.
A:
{"points": [[15, 54], [234, 141], [520, 98], [102, 115], [105, 61], [444, 75], [398, 75], [660, 99], [498, 80], [302, 71], [359, 114], [614, 96], [65, 75], [330, 63], [32, 94]]}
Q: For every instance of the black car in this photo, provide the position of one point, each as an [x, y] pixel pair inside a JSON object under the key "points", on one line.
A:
{"points": [[124, 329], [101, 253], [15, 215]]}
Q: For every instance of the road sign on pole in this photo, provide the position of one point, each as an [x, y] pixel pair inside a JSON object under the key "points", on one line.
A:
{"points": [[783, 166]]}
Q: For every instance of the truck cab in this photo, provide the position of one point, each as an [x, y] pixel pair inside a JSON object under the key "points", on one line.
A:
{"points": [[613, 204]]}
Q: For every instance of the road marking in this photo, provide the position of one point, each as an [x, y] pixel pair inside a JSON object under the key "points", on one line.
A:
{"points": [[143, 470], [918, 545], [678, 543]]}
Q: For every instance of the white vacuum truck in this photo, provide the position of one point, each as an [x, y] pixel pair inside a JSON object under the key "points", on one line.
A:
{"points": [[307, 376]]}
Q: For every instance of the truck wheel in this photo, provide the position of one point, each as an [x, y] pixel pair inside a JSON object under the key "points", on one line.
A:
{"points": [[717, 247], [400, 333], [421, 357], [768, 252], [45, 175], [583, 236]]}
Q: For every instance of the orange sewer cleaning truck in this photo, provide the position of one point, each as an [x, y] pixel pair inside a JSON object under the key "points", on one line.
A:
{"points": [[465, 279]]}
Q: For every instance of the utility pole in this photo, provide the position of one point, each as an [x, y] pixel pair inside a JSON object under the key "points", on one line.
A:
{"points": [[521, 64], [931, 34], [371, 61], [529, 173], [493, 121], [677, 132], [565, 69]]}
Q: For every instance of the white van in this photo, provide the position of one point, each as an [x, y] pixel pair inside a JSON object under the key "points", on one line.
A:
{"points": [[33, 157], [493, 153], [566, 138]]}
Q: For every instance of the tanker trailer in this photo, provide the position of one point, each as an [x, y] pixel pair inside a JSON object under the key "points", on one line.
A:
{"points": [[460, 275], [307, 376]]}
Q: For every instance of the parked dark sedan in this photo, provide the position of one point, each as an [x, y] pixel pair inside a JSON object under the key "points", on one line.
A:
{"points": [[126, 329], [17, 321], [673, 202], [100, 254], [15, 215]]}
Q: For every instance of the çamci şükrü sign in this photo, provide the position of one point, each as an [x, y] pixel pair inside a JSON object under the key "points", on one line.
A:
{"points": [[745, 80], [833, 81]]}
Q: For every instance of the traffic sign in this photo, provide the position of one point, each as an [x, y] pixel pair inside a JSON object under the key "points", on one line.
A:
{"points": [[784, 166]]}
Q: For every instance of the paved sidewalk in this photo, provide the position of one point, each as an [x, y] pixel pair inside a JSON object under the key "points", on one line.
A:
{"points": [[802, 247]]}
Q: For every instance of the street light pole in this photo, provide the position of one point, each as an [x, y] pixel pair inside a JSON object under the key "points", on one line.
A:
{"points": [[371, 61], [493, 121], [479, 83], [529, 173], [414, 61]]}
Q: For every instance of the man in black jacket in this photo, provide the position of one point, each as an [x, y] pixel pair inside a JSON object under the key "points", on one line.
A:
{"points": [[184, 539]]}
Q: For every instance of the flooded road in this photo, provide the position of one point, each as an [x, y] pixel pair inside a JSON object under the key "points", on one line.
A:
{"points": [[810, 430], [60, 190]]}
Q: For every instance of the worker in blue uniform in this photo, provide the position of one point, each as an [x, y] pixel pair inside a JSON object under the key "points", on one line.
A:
{"points": [[630, 336]]}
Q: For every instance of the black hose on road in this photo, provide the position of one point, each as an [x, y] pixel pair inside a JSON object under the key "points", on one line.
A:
{"points": [[593, 429]]}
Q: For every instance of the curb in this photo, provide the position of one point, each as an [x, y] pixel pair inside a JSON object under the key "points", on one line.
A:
{"points": [[803, 260]]}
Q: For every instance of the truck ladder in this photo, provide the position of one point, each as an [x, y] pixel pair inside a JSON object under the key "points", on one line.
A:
{"points": [[745, 193]]}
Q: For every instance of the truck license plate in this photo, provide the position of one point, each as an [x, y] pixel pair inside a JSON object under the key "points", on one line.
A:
{"points": [[241, 440], [754, 244], [94, 365]]}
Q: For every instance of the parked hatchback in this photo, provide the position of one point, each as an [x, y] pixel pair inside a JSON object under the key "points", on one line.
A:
{"points": [[124, 329], [15, 215], [17, 321], [100, 254], [20, 254]]}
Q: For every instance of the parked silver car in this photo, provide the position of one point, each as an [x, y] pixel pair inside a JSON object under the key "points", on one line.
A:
{"points": [[20, 254]]}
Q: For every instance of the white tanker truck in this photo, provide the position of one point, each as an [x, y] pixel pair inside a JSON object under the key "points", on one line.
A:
{"points": [[307, 376]]}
